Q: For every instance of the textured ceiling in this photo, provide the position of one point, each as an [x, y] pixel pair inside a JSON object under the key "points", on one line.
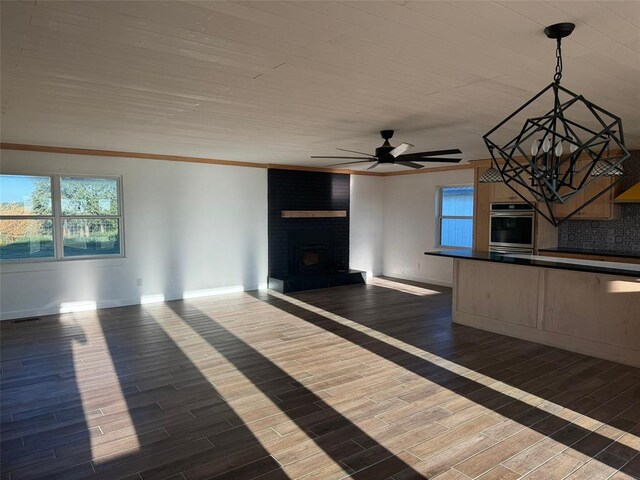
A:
{"points": [[276, 82]]}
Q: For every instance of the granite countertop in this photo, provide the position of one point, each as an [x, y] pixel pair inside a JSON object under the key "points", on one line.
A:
{"points": [[586, 251], [576, 265]]}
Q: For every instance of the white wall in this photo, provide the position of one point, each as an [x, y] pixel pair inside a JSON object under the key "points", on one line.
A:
{"points": [[409, 225], [189, 227], [366, 224], [196, 227]]}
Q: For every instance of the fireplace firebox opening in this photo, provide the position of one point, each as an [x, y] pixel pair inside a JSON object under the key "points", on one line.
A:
{"points": [[311, 258]]}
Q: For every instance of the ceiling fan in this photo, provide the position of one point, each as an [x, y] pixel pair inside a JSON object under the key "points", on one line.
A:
{"points": [[387, 154]]}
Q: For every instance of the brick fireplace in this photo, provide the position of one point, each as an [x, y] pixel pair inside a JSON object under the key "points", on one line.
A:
{"points": [[309, 242]]}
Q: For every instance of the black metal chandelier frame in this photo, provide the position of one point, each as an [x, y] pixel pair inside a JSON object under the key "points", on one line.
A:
{"points": [[545, 172]]}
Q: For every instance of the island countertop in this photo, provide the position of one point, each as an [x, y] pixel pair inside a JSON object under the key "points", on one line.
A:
{"points": [[589, 251], [576, 265]]}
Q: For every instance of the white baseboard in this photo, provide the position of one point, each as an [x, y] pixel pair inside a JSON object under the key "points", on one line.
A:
{"points": [[402, 276], [165, 297]]}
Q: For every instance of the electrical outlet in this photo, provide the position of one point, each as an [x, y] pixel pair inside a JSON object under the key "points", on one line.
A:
{"points": [[139, 281]]}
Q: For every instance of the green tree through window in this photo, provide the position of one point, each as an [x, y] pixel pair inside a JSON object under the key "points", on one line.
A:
{"points": [[88, 212]]}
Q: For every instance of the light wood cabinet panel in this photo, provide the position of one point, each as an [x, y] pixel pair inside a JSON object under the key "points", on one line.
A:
{"points": [[492, 291], [589, 313], [564, 209], [609, 316], [601, 208], [482, 199], [502, 193]]}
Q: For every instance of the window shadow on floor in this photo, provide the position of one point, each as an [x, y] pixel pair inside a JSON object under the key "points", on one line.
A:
{"points": [[42, 406], [329, 432], [602, 390], [425, 323], [181, 422]]}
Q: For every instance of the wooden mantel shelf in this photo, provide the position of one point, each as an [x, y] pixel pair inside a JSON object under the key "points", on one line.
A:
{"points": [[313, 213]]}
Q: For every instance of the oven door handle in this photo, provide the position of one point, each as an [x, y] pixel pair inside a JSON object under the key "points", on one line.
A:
{"points": [[512, 214]]}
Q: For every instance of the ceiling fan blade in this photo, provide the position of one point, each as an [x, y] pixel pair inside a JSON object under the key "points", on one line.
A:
{"points": [[373, 166], [441, 160], [400, 149], [345, 158], [417, 157], [349, 163], [436, 159], [410, 164], [439, 152], [354, 151]]}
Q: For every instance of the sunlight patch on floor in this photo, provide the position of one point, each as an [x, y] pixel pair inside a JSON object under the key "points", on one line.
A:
{"points": [[402, 287], [207, 292], [86, 384], [517, 394], [70, 307], [242, 395], [153, 298]]}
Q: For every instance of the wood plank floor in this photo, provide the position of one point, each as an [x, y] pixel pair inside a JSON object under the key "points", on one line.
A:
{"points": [[364, 382]]}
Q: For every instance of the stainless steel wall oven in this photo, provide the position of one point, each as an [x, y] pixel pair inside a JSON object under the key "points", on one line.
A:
{"points": [[512, 228]]}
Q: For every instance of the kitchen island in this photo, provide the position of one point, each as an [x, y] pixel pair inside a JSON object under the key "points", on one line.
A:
{"points": [[590, 307]]}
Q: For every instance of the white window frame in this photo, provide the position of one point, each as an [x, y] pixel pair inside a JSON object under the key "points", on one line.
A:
{"points": [[439, 217], [57, 217]]}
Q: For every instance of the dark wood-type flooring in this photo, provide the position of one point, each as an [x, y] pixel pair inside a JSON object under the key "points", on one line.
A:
{"points": [[364, 382]]}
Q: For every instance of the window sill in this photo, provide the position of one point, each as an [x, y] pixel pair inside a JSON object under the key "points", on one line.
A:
{"points": [[54, 264]]}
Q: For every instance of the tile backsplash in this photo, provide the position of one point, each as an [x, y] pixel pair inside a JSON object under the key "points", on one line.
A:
{"points": [[621, 235]]}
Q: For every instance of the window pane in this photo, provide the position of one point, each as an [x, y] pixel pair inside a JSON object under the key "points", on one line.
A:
{"points": [[457, 201], [89, 196], [456, 232], [25, 195], [26, 238], [90, 236]]}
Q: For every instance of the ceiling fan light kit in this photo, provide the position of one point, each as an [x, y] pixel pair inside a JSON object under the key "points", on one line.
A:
{"points": [[557, 154], [388, 154]]}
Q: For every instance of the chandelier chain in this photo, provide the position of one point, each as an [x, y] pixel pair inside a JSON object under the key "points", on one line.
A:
{"points": [[558, 74]]}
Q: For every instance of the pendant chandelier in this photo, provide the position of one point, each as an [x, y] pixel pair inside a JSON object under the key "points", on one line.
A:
{"points": [[557, 155]]}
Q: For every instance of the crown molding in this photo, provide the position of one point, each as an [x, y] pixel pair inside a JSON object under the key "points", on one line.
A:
{"points": [[276, 166], [215, 161], [461, 166], [122, 154]]}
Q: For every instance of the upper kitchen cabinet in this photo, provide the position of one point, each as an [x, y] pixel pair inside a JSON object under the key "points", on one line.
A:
{"points": [[501, 193], [602, 208]]}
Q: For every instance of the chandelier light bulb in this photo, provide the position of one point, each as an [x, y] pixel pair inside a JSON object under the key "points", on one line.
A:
{"points": [[546, 145], [559, 149], [534, 147], [572, 146]]}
